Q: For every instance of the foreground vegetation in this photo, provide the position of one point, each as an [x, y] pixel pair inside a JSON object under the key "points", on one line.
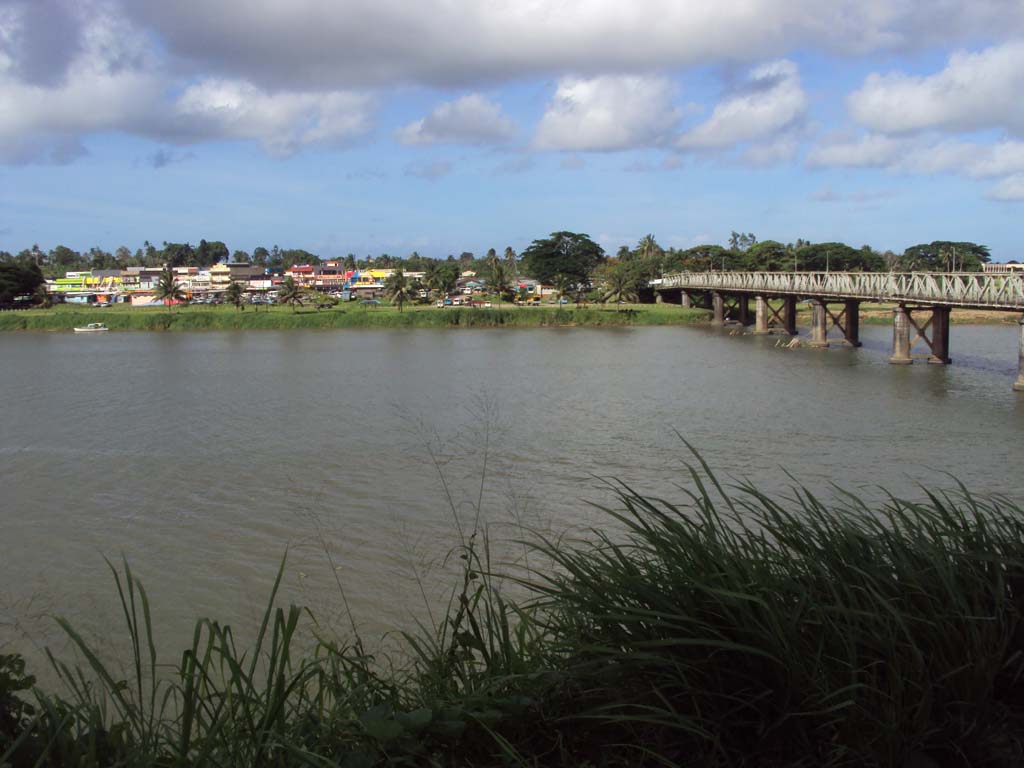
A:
{"points": [[198, 318], [727, 629]]}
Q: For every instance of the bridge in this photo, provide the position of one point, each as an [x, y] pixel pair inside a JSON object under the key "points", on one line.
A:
{"points": [[923, 303]]}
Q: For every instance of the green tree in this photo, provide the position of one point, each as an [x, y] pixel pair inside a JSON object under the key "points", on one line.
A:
{"points": [[260, 256], [398, 288], [498, 279], [290, 293], [564, 254], [943, 255], [768, 256], [235, 295], [18, 279], [240, 257], [167, 288], [178, 254], [511, 267], [620, 286]]}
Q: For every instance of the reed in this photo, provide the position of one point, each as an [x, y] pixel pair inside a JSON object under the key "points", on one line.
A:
{"points": [[725, 628], [191, 318]]}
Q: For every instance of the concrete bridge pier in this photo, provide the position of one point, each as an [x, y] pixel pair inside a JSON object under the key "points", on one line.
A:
{"points": [[940, 336], [1018, 385], [658, 298], [900, 337], [743, 310], [789, 315], [819, 324], [761, 315], [851, 326], [685, 300], [717, 308]]}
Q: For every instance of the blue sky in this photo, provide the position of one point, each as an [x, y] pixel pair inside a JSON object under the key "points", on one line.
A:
{"points": [[368, 127]]}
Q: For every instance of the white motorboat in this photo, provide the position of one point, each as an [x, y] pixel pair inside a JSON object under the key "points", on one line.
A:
{"points": [[92, 328]]}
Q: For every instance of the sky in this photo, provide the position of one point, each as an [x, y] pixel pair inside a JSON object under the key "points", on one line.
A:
{"points": [[442, 126]]}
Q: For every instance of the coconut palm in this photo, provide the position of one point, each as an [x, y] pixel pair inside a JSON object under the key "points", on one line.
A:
{"points": [[498, 279], [647, 247], [397, 288], [563, 284], [431, 277], [167, 289], [290, 293], [619, 287], [510, 262], [234, 295]]}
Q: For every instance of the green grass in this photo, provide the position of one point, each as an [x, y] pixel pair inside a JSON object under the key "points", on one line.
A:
{"points": [[726, 628], [200, 318]]}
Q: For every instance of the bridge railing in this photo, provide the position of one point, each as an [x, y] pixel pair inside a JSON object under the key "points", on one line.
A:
{"points": [[957, 289]]}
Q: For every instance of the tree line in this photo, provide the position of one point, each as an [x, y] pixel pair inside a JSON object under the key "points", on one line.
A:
{"points": [[570, 261]]}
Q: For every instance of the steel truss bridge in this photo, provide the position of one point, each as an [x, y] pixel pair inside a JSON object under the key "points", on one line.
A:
{"points": [[923, 303]]}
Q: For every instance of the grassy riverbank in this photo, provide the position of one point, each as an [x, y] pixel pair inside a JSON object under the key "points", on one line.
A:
{"points": [[728, 629], [202, 318]]}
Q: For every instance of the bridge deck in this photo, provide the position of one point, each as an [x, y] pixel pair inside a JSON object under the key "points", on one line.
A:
{"points": [[972, 290]]}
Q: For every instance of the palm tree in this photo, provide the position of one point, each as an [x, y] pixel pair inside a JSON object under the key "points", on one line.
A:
{"points": [[563, 283], [647, 247], [619, 287], [167, 288], [290, 293], [510, 262], [498, 279], [234, 295], [430, 276], [397, 288]]}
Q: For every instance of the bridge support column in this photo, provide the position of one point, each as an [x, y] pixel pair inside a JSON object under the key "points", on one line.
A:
{"points": [[658, 298], [685, 300], [718, 308], [743, 310], [761, 315], [789, 315], [819, 324], [900, 337], [940, 336], [1018, 385], [852, 318]]}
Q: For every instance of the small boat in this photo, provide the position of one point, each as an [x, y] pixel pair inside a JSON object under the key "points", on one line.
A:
{"points": [[92, 328]]}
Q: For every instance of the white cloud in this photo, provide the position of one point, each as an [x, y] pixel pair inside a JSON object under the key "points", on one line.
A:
{"points": [[283, 122], [870, 151], [469, 120], [44, 121], [926, 154], [113, 83], [974, 91], [326, 44], [1010, 189], [606, 113], [769, 102]]}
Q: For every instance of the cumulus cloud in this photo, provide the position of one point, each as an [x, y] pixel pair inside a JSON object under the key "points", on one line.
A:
{"points": [[114, 83], [974, 91], [96, 93], [1010, 189], [769, 102], [361, 43], [473, 119], [606, 113], [922, 155], [282, 122]]}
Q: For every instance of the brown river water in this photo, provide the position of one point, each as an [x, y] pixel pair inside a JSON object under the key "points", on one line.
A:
{"points": [[203, 457]]}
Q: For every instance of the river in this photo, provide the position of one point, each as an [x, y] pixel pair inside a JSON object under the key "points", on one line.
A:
{"points": [[201, 457]]}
